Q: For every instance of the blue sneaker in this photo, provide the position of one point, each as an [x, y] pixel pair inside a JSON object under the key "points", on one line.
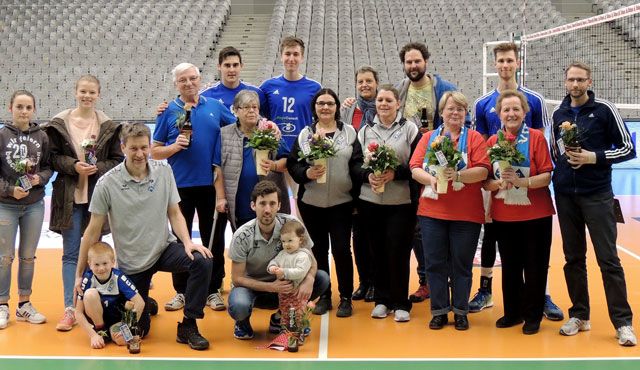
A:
{"points": [[274, 323], [480, 301], [243, 330], [551, 311]]}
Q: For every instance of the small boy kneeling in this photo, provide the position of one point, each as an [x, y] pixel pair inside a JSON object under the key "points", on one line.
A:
{"points": [[105, 292]]}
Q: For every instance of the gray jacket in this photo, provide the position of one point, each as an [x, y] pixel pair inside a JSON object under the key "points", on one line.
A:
{"points": [[402, 136], [339, 186]]}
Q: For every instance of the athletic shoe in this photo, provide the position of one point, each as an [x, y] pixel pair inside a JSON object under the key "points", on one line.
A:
{"points": [[360, 293], [401, 316], [345, 308], [188, 334], [216, 302], [421, 294], [323, 305], [626, 336], [243, 330], [460, 322], [4, 316], [29, 313], [151, 306], [274, 323], [380, 311], [176, 303], [574, 325], [68, 320], [438, 322], [551, 311], [480, 301]]}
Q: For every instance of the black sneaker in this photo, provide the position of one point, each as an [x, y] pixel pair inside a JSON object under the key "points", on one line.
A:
{"points": [[370, 296], [274, 323], [188, 334], [461, 322], [438, 322], [323, 305], [345, 309], [152, 306], [360, 293]]}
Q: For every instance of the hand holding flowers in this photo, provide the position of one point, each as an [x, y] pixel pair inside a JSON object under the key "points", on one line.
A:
{"points": [[383, 161], [445, 157], [89, 147], [317, 149], [264, 139], [504, 154]]}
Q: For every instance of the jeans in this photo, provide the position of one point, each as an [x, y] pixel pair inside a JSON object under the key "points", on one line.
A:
{"points": [[70, 249], [242, 300], [29, 219], [449, 247], [175, 259], [596, 212], [331, 223]]}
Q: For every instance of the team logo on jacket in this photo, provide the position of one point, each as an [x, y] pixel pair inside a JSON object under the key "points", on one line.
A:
{"points": [[288, 127]]}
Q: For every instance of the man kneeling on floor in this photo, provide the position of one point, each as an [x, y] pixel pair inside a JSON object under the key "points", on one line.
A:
{"points": [[253, 246], [139, 196]]}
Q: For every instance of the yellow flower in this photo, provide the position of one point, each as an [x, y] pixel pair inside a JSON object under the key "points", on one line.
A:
{"points": [[566, 125]]}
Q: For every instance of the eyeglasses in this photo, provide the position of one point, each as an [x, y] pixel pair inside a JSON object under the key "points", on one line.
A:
{"points": [[578, 80], [191, 79], [327, 103], [250, 107]]}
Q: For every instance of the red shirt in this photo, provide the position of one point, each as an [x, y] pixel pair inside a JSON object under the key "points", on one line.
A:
{"points": [[463, 205], [541, 204], [356, 121]]}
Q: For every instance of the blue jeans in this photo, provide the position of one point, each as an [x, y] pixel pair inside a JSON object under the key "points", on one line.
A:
{"points": [[29, 219], [449, 247], [70, 249], [241, 299]]}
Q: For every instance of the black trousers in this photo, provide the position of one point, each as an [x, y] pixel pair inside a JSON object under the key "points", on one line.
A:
{"points": [[524, 248], [362, 251], [389, 230], [331, 223], [174, 259], [203, 200], [488, 250]]}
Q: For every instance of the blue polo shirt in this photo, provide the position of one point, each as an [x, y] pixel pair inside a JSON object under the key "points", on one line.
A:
{"points": [[226, 95], [486, 119], [193, 166], [289, 105]]}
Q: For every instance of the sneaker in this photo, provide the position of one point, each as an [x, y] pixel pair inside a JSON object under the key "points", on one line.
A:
{"points": [[274, 323], [29, 313], [380, 311], [360, 293], [421, 294], [151, 306], [188, 334], [480, 301], [370, 296], [323, 305], [551, 311], [626, 336], [176, 303], [345, 308], [438, 322], [243, 330], [401, 316], [216, 302], [4, 316], [460, 322], [574, 325], [68, 320]]}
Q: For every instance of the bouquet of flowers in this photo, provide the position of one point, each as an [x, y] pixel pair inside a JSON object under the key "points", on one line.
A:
{"points": [[298, 326], [571, 136], [129, 328], [380, 158], [264, 139], [184, 116], [89, 147], [504, 154], [442, 154], [26, 168], [317, 149]]}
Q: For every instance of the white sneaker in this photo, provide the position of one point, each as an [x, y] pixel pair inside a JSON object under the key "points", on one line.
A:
{"points": [[4, 316], [29, 313], [380, 311], [176, 303], [402, 316], [626, 336], [216, 302], [574, 325]]}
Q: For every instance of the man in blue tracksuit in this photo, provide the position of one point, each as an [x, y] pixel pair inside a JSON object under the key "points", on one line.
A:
{"points": [[584, 196]]}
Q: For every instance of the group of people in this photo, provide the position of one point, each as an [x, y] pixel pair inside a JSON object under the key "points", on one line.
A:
{"points": [[124, 179]]}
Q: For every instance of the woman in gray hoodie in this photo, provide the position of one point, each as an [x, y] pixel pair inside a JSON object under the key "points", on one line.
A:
{"points": [[24, 171]]}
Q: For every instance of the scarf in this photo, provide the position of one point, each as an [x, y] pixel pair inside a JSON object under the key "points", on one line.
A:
{"points": [[428, 191], [368, 108], [517, 196]]}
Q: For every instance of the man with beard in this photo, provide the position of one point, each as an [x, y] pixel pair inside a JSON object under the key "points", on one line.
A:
{"points": [[253, 245], [420, 91], [584, 197]]}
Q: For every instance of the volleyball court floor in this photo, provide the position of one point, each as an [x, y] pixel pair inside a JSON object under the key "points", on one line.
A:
{"points": [[359, 342]]}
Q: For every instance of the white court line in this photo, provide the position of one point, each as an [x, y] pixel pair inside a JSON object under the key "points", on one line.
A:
{"points": [[625, 250]]}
